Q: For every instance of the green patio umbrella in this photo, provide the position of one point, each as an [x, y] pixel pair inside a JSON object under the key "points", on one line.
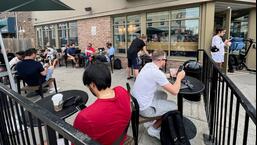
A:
{"points": [[26, 5], [32, 5], [9, 4]]}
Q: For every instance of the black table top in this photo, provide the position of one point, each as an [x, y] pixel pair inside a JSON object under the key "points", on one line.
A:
{"points": [[67, 110], [197, 86]]}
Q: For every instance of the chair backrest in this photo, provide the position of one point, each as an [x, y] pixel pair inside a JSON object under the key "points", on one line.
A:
{"points": [[134, 116]]}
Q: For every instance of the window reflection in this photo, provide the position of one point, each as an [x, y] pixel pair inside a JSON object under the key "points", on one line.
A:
{"points": [[176, 31], [158, 31], [185, 13], [73, 33], [119, 38], [184, 37]]}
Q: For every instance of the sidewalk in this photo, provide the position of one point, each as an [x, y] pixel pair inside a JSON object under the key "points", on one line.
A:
{"points": [[246, 82]]}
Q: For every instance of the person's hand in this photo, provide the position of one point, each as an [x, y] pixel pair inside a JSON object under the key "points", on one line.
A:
{"points": [[227, 41], [229, 44], [181, 75], [46, 65]]}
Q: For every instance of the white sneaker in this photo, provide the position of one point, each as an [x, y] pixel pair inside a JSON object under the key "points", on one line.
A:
{"points": [[148, 124], [154, 132]]}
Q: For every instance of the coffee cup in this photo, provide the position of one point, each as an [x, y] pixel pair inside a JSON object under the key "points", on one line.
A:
{"points": [[57, 102]]}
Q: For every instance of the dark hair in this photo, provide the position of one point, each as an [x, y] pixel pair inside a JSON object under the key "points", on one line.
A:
{"points": [[30, 51], [219, 29], [21, 53], [99, 74], [109, 44]]}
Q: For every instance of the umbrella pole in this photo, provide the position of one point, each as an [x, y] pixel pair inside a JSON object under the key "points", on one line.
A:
{"points": [[11, 79]]}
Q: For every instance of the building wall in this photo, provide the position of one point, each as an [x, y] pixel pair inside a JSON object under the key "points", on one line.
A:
{"points": [[251, 59], [103, 32], [24, 22], [99, 8]]}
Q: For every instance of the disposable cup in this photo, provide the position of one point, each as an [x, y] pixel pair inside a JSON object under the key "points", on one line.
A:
{"points": [[173, 72], [57, 102]]}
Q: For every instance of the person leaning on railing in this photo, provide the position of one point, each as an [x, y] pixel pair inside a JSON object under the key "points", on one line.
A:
{"points": [[107, 119]]}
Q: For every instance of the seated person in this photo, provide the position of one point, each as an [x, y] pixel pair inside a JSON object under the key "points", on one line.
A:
{"points": [[32, 72], [109, 53], [51, 55], [153, 103], [89, 53], [71, 53], [19, 56], [107, 118]]}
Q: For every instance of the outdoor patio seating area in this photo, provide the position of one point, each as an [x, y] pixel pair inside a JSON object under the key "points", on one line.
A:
{"points": [[223, 114]]}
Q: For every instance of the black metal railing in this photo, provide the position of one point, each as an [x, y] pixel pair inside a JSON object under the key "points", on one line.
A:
{"points": [[23, 122], [231, 117]]}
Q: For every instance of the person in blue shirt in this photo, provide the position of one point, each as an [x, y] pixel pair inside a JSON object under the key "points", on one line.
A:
{"points": [[107, 55], [110, 51]]}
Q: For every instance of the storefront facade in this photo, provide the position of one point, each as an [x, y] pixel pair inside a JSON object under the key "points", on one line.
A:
{"points": [[179, 28]]}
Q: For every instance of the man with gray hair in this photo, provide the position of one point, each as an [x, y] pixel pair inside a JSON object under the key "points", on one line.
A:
{"points": [[152, 102]]}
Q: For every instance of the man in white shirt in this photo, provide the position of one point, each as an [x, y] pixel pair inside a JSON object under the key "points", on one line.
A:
{"points": [[19, 56], [154, 103]]}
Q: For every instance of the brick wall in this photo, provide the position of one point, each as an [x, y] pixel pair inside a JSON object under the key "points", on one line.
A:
{"points": [[25, 22], [103, 32]]}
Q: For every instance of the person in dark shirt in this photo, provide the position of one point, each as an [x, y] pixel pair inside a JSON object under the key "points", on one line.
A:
{"points": [[71, 53], [33, 72], [137, 45]]}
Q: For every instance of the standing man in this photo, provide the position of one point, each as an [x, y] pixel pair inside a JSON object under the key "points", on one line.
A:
{"points": [[136, 45], [153, 103]]}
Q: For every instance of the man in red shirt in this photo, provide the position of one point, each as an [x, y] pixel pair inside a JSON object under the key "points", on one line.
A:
{"points": [[89, 50], [107, 118]]}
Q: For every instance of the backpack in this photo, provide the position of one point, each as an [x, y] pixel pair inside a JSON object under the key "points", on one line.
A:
{"points": [[172, 129], [117, 64]]}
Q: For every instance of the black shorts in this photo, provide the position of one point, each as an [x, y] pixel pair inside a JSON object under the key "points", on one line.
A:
{"points": [[133, 63]]}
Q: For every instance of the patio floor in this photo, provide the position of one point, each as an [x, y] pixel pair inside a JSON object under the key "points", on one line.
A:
{"points": [[71, 78]]}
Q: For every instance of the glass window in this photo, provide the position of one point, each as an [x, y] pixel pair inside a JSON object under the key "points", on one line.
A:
{"points": [[158, 31], [39, 37], [185, 13], [134, 19], [133, 32], [73, 33], [239, 26], [176, 32], [52, 36], [119, 38], [184, 37], [46, 36], [159, 16], [62, 33], [119, 20]]}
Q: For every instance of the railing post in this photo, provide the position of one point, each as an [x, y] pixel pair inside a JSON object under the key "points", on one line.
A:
{"points": [[4, 138], [213, 97], [50, 136]]}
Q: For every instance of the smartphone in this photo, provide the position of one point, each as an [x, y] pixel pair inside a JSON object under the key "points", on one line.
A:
{"points": [[180, 69]]}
